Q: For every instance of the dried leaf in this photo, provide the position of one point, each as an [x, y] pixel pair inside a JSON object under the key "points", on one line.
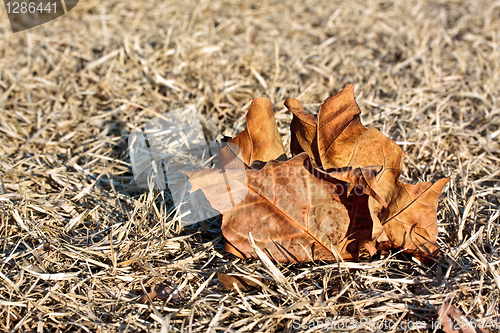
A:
{"points": [[260, 141], [243, 283], [303, 129], [224, 188], [404, 216], [340, 193], [295, 213], [339, 130], [411, 221]]}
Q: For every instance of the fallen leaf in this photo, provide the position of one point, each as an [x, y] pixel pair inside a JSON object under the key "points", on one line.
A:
{"points": [[243, 283], [223, 188], [339, 130], [338, 195], [294, 212], [452, 320], [410, 220], [405, 218], [303, 130], [260, 141]]}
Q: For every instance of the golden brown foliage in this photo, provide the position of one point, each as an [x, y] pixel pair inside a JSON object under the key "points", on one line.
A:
{"points": [[305, 208]]}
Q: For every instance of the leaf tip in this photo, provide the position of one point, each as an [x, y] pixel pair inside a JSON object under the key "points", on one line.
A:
{"points": [[291, 102]]}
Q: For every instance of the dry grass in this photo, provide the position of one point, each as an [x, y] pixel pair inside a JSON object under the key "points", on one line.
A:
{"points": [[81, 243]]}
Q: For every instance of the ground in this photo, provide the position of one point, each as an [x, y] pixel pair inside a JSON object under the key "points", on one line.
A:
{"points": [[81, 243]]}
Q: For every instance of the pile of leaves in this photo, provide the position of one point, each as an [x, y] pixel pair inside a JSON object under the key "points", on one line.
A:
{"points": [[339, 194]]}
